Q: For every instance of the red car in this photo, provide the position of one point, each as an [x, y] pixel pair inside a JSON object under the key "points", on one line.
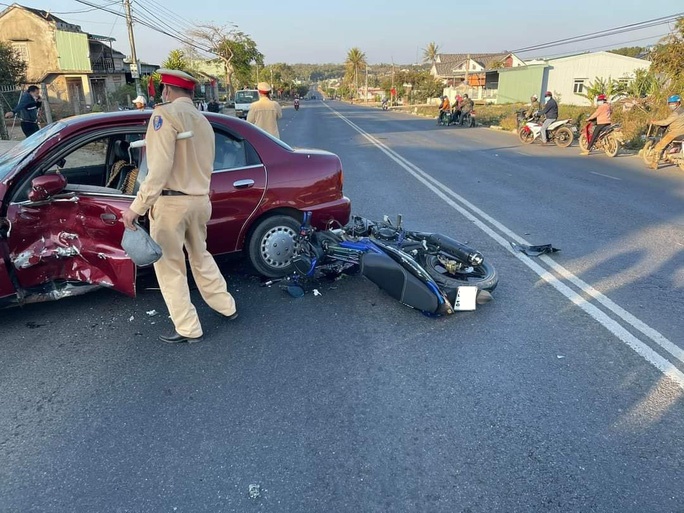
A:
{"points": [[62, 192]]}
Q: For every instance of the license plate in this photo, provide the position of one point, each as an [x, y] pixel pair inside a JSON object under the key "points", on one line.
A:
{"points": [[466, 298]]}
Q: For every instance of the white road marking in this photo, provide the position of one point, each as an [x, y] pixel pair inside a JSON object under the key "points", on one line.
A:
{"points": [[641, 348], [607, 176]]}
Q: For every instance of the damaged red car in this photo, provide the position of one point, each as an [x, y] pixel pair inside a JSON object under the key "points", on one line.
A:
{"points": [[63, 190]]}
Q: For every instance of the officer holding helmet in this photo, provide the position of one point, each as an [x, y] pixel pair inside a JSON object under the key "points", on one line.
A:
{"points": [[176, 194]]}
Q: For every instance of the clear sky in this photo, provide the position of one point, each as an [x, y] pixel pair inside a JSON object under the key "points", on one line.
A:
{"points": [[320, 32]]}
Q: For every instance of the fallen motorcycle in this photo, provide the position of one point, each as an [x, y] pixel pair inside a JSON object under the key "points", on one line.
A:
{"points": [[430, 272], [610, 140], [561, 132], [672, 153]]}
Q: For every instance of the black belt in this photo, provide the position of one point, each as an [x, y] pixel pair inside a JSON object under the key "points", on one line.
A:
{"points": [[172, 193]]}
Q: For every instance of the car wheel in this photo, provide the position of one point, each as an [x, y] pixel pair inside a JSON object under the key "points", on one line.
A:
{"points": [[272, 246]]}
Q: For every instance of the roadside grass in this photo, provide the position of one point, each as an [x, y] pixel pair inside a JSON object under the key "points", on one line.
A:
{"points": [[634, 121]]}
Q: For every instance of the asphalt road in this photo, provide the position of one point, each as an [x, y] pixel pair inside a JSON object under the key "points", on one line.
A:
{"points": [[564, 394]]}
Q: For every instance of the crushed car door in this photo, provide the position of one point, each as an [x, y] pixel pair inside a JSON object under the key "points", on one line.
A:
{"points": [[72, 238]]}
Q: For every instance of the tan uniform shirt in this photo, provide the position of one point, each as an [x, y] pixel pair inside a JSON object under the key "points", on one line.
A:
{"points": [[265, 114], [675, 121], [183, 166]]}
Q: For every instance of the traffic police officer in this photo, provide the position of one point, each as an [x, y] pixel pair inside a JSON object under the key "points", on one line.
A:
{"points": [[265, 113], [176, 194]]}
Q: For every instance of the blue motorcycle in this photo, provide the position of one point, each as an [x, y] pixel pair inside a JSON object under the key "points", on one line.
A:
{"points": [[430, 272]]}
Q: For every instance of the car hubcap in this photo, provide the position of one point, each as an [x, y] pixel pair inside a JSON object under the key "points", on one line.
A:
{"points": [[278, 246]]}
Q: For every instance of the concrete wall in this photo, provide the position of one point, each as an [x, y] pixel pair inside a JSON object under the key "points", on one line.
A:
{"points": [[563, 72], [23, 26]]}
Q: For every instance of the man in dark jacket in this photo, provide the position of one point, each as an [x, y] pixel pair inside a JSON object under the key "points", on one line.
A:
{"points": [[27, 110], [550, 111], [213, 106]]}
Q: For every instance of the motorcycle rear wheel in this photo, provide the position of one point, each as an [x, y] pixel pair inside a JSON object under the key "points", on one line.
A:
{"points": [[583, 143], [563, 137], [525, 135], [482, 276], [611, 145]]}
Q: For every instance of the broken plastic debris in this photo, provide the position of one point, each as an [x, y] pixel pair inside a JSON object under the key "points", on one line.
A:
{"points": [[152, 313], [316, 292], [131, 318], [295, 290], [560, 356], [254, 491], [534, 251]]}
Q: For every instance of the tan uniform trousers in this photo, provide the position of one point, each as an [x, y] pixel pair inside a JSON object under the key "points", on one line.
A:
{"points": [[177, 222], [667, 139]]}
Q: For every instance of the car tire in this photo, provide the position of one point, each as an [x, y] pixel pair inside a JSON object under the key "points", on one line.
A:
{"points": [[272, 246]]}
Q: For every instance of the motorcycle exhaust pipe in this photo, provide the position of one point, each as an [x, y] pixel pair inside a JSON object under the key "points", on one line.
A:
{"points": [[458, 249]]}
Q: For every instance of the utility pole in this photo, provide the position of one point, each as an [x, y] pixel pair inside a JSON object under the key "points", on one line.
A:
{"points": [[135, 71], [392, 90], [366, 83], [466, 74]]}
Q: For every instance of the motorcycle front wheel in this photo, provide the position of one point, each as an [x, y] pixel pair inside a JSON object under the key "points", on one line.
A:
{"points": [[563, 137], [525, 135], [648, 153], [583, 143], [611, 146], [482, 276]]}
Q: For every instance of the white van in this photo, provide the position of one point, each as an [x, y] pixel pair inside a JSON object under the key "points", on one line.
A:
{"points": [[243, 99]]}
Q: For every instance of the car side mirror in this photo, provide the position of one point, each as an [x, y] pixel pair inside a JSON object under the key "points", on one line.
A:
{"points": [[46, 186]]}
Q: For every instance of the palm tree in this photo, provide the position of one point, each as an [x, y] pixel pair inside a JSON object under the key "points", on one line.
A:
{"points": [[355, 59], [430, 52]]}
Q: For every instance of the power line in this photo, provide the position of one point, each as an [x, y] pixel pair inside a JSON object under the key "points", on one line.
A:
{"points": [[177, 19], [147, 24], [612, 45], [602, 33]]}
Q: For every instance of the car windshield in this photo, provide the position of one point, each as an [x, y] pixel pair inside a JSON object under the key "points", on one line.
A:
{"points": [[16, 154], [246, 96]]}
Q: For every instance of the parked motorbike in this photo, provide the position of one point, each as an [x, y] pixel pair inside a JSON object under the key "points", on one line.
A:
{"points": [[385, 105], [610, 140], [296, 104], [430, 272], [561, 131], [672, 153]]}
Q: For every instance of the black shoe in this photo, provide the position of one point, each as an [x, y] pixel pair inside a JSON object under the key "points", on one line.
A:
{"points": [[175, 338]]}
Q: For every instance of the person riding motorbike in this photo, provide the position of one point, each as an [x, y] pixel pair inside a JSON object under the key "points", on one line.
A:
{"points": [[675, 127], [602, 117], [467, 106], [296, 103], [550, 111], [534, 106], [444, 110]]}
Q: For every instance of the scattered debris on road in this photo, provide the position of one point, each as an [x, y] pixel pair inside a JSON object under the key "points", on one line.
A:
{"points": [[254, 491], [534, 251]]}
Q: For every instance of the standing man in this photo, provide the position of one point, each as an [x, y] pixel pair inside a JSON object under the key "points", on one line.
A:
{"points": [[27, 110], [675, 127], [176, 193], [467, 106], [140, 102], [551, 113], [602, 116], [264, 112]]}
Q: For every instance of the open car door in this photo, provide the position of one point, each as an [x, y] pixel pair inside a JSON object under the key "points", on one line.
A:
{"points": [[61, 243]]}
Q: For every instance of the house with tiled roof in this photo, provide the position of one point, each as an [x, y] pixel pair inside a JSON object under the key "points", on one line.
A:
{"points": [[475, 73], [77, 68]]}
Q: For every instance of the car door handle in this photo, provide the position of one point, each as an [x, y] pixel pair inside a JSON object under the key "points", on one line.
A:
{"points": [[108, 218], [243, 184]]}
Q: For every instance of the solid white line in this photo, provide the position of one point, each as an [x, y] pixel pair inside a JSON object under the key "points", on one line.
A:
{"points": [[442, 191], [607, 176]]}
